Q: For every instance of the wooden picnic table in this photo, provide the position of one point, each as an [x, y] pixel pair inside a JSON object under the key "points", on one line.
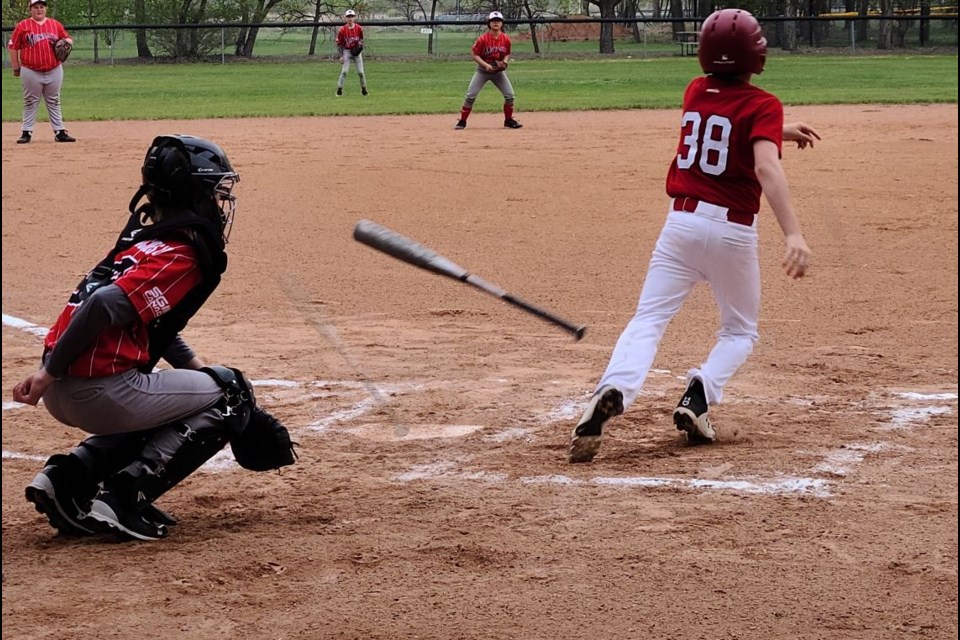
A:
{"points": [[688, 41]]}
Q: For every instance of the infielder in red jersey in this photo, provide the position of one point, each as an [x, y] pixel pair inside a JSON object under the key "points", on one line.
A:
{"points": [[731, 134], [152, 427], [350, 48], [33, 61], [491, 52]]}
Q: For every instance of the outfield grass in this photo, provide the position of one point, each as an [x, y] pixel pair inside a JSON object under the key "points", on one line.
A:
{"points": [[150, 92]]}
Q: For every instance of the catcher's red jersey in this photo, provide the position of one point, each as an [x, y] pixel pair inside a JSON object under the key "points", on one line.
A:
{"points": [[721, 121], [35, 42], [155, 275], [492, 48], [348, 38]]}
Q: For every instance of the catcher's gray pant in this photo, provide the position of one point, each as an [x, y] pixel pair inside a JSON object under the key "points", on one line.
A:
{"points": [[358, 61], [693, 247], [480, 78], [131, 402], [35, 85]]}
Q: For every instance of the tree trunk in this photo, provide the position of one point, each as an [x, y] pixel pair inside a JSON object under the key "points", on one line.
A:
{"points": [[533, 28], [608, 10], [433, 15], [316, 29], [676, 11], [140, 15]]}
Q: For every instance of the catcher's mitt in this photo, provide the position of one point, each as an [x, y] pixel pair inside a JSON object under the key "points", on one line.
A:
{"points": [[356, 51], [498, 66], [62, 49], [264, 443]]}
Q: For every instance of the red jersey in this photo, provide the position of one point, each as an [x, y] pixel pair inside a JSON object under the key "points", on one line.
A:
{"points": [[34, 40], [348, 38], [492, 48], [155, 275], [721, 121]]}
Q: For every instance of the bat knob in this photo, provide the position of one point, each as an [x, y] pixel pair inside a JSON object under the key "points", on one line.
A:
{"points": [[578, 334]]}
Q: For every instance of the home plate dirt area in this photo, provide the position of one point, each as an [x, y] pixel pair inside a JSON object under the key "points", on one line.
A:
{"points": [[433, 498]]}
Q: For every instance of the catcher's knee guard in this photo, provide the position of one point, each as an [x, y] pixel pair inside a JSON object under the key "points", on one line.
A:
{"points": [[238, 401]]}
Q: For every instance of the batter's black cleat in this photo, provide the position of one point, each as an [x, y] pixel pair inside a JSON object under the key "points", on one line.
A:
{"points": [[339, 91], [63, 136], [24, 137], [510, 123], [606, 403], [461, 124], [62, 493], [118, 511], [691, 415], [363, 90]]}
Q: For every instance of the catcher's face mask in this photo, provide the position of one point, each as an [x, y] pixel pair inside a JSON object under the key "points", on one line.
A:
{"points": [[226, 202]]}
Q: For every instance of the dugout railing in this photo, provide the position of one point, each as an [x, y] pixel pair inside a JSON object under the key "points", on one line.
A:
{"points": [[556, 37]]}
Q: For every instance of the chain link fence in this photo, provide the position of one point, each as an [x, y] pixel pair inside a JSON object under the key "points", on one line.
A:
{"points": [[125, 44]]}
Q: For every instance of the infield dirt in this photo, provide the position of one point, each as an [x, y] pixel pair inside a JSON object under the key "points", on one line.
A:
{"points": [[828, 509]]}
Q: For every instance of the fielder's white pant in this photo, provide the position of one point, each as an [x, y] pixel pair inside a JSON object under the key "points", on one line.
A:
{"points": [[693, 247], [35, 85]]}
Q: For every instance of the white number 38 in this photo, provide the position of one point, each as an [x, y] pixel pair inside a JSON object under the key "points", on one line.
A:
{"points": [[710, 144]]}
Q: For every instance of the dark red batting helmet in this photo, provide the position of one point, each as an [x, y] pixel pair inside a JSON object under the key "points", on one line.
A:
{"points": [[731, 41]]}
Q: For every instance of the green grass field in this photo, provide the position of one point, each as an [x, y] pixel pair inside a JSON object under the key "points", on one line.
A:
{"points": [[306, 88]]}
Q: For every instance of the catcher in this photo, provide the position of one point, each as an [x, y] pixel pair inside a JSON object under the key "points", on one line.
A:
{"points": [[350, 49], [151, 428], [491, 51], [38, 47]]}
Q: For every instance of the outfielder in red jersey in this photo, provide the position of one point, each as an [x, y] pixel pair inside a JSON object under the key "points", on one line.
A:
{"points": [[152, 427], [731, 134], [33, 61], [491, 52], [350, 48]]}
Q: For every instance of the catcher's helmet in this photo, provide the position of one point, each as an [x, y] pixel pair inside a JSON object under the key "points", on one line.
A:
{"points": [[187, 170], [731, 42]]}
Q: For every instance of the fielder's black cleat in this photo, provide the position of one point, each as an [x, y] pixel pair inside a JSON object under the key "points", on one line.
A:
{"points": [[63, 136], [510, 123], [363, 91], [24, 137], [339, 91], [461, 124]]}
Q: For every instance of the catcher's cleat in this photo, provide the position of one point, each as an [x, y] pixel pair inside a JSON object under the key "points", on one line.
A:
{"points": [[363, 90], [461, 124], [606, 403], [63, 136], [510, 123], [691, 415], [339, 91], [155, 514], [120, 514], [24, 137], [57, 492]]}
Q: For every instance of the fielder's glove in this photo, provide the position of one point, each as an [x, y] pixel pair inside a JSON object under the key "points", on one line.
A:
{"points": [[62, 49], [264, 443], [357, 50], [498, 66]]}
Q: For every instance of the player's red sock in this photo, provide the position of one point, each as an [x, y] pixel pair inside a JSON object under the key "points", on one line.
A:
{"points": [[507, 111], [465, 112]]}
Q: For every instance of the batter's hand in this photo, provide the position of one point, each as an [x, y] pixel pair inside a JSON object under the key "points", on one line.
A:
{"points": [[801, 133], [796, 261], [33, 387]]}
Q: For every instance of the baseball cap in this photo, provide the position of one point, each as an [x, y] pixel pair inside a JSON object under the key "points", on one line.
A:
{"points": [[33, 2], [495, 15], [349, 12]]}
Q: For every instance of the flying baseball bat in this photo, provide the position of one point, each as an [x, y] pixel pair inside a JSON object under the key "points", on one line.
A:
{"points": [[403, 248]]}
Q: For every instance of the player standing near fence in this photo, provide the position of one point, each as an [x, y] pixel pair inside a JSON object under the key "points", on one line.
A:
{"points": [[491, 51], [35, 62], [731, 135], [350, 48]]}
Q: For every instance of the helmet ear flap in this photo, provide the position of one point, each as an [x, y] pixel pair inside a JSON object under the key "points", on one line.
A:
{"points": [[167, 170]]}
